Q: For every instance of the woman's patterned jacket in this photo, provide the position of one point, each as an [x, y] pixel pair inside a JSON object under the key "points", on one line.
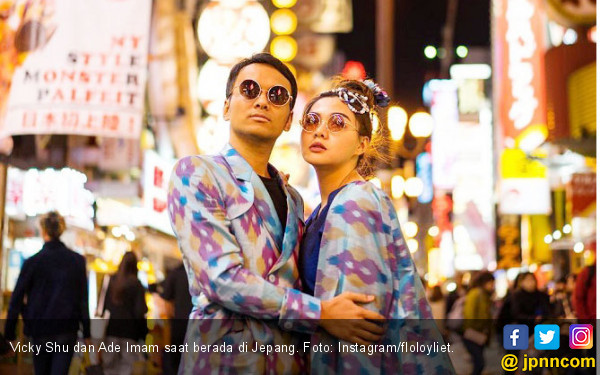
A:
{"points": [[363, 250]]}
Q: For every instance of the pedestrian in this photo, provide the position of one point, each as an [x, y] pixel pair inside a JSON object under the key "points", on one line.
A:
{"points": [[438, 304], [53, 283], [584, 295], [239, 227], [126, 303], [529, 305], [176, 291], [478, 318], [353, 241], [560, 301], [457, 293]]}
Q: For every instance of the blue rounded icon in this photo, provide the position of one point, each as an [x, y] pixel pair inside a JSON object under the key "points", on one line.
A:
{"points": [[547, 336], [516, 337]]}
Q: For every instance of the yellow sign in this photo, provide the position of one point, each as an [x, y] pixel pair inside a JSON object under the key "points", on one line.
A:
{"points": [[515, 164], [582, 101]]}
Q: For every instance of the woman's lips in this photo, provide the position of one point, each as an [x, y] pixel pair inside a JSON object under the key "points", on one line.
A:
{"points": [[317, 147]]}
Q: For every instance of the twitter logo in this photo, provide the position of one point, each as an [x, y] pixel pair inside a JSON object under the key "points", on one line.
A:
{"points": [[547, 336]]}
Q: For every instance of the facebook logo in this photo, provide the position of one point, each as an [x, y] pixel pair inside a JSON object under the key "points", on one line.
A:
{"points": [[516, 337]]}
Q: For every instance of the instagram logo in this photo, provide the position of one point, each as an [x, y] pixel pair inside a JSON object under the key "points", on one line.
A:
{"points": [[580, 336]]}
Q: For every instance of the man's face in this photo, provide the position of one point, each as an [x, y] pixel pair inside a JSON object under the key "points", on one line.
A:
{"points": [[258, 118]]}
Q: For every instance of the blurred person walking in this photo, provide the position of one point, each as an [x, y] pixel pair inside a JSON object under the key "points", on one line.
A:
{"points": [[176, 291], [560, 300], [53, 283], [504, 315], [478, 318], [584, 295], [459, 292], [126, 303], [528, 305]]}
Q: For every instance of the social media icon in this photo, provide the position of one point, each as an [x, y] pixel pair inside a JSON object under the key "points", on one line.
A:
{"points": [[516, 337], [547, 336], [581, 336]]}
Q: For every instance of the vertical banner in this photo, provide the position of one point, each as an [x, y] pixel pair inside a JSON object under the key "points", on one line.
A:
{"points": [[155, 181], [508, 237], [81, 67], [518, 56], [444, 110]]}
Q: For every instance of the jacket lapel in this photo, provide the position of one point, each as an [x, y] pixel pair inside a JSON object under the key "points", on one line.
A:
{"points": [[245, 195], [254, 191], [295, 218], [267, 211]]}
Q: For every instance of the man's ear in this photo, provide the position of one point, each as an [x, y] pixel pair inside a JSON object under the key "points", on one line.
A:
{"points": [[226, 115], [288, 123]]}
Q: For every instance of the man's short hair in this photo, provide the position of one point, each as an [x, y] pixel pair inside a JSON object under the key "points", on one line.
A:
{"points": [[263, 58]]}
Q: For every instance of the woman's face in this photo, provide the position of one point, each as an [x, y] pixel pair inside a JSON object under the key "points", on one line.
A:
{"points": [[528, 283], [325, 149], [489, 286]]}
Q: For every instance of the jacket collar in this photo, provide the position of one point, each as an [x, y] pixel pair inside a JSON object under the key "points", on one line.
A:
{"points": [[240, 167]]}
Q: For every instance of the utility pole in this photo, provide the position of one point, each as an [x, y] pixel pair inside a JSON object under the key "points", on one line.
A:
{"points": [[448, 38], [384, 36]]}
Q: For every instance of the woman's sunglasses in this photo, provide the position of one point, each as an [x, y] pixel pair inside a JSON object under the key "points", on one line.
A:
{"points": [[277, 95], [312, 121]]}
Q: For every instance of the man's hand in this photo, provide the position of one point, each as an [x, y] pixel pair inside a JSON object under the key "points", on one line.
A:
{"points": [[344, 319]]}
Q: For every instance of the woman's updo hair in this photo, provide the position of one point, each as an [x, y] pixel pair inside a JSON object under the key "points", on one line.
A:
{"points": [[375, 98], [53, 224]]}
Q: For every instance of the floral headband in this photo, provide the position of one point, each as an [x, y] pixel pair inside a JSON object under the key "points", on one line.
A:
{"points": [[357, 102]]}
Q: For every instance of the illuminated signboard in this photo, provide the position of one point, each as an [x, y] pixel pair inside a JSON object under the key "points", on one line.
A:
{"points": [[34, 192], [81, 69], [518, 53], [156, 183]]}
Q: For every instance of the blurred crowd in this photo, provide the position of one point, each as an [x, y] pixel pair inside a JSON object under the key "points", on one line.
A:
{"points": [[473, 314]]}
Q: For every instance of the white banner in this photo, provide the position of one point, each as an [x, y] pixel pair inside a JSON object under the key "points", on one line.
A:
{"points": [[83, 68]]}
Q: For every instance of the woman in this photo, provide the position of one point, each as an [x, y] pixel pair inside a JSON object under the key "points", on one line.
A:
{"points": [[478, 318], [127, 323], [529, 305], [353, 241]]}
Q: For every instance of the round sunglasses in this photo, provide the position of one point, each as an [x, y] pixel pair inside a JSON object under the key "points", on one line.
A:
{"points": [[276, 95], [335, 123]]}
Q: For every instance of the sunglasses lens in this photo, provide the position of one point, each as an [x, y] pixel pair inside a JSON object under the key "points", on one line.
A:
{"points": [[249, 89], [311, 121], [336, 123], [278, 95]]}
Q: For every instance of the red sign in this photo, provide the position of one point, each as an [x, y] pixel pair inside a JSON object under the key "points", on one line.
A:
{"points": [[518, 53], [582, 194]]}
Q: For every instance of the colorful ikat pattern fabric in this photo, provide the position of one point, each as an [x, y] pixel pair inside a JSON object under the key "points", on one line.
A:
{"points": [[241, 266], [363, 251]]}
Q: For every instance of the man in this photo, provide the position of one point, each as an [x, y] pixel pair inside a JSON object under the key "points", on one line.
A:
{"points": [[54, 284], [239, 228]]}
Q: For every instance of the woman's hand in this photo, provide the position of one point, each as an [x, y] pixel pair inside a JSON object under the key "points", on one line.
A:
{"points": [[345, 320]]}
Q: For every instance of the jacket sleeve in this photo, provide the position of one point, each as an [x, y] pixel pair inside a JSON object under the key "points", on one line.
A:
{"points": [[363, 251], [198, 217], [84, 307], [16, 300]]}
